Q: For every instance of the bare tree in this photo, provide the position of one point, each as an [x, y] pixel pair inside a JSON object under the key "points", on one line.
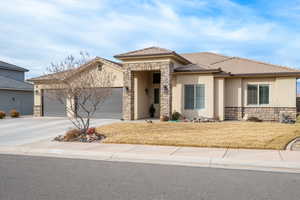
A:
{"points": [[82, 86]]}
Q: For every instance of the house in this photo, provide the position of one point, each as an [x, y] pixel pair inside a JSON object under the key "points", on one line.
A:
{"points": [[15, 93], [194, 84]]}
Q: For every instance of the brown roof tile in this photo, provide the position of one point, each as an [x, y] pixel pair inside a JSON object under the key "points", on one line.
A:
{"points": [[146, 51], [236, 65]]}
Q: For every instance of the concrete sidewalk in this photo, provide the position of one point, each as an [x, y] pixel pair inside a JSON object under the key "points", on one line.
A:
{"points": [[266, 160]]}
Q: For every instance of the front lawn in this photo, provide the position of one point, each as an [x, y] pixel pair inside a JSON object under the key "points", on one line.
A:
{"points": [[260, 135]]}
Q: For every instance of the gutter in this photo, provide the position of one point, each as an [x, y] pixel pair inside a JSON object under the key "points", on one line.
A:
{"points": [[280, 74]]}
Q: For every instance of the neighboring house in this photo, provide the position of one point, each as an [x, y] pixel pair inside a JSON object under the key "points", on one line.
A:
{"points": [[194, 84], [15, 93]]}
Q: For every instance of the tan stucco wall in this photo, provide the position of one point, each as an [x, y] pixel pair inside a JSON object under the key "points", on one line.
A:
{"points": [[141, 99], [115, 72], [219, 92], [282, 91], [233, 92], [178, 95]]}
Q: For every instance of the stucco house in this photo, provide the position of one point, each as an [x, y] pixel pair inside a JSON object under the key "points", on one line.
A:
{"points": [[194, 84], [15, 93]]}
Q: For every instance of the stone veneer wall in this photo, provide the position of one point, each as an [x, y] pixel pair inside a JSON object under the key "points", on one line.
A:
{"points": [[166, 68], [37, 111], [263, 113]]}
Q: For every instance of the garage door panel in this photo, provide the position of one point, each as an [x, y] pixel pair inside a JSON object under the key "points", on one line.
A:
{"points": [[111, 108], [52, 107]]}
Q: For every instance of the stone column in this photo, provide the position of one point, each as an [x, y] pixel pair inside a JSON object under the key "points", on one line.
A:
{"points": [[166, 89], [37, 108], [128, 94]]}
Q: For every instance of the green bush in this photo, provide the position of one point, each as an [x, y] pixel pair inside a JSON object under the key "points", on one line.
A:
{"points": [[2, 114], [175, 116], [14, 113]]}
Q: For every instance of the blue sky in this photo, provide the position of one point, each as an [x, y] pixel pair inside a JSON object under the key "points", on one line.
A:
{"points": [[35, 33]]}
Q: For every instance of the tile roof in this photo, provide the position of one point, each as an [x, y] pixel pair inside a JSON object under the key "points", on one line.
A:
{"points": [[11, 84], [236, 65], [146, 51], [8, 66]]}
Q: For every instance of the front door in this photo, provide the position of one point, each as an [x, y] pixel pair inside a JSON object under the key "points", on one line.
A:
{"points": [[156, 101]]}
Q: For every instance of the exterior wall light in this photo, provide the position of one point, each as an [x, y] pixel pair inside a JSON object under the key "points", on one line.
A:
{"points": [[146, 91]]}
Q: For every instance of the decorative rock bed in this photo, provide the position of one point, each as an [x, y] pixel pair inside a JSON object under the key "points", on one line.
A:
{"points": [[76, 135]]}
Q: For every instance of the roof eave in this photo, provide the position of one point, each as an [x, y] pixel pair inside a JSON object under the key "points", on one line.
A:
{"points": [[208, 71], [271, 74]]}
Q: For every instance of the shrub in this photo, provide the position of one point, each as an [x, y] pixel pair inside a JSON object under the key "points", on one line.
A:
{"points": [[91, 131], [2, 114], [164, 118], [72, 134], [176, 116], [14, 113], [254, 119]]}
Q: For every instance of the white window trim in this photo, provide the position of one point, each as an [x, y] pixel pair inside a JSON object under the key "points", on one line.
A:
{"points": [[258, 86], [194, 85]]}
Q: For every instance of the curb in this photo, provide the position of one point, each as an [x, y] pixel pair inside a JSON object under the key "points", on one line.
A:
{"points": [[274, 166]]}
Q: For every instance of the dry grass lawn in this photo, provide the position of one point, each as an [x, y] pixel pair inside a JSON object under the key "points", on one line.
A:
{"points": [[250, 135]]}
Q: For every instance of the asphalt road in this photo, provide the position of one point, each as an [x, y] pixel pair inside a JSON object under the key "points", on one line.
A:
{"points": [[40, 178]]}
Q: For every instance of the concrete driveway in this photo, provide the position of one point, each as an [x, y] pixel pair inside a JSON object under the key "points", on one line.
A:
{"points": [[25, 130]]}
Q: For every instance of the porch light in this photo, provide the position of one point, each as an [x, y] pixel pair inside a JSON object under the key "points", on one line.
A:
{"points": [[126, 88], [37, 91], [146, 90]]}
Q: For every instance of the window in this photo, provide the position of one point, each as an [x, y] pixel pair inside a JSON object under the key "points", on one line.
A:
{"points": [[156, 95], [194, 96], [156, 78], [264, 94], [258, 94], [252, 94]]}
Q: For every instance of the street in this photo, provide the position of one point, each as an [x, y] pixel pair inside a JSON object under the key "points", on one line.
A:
{"points": [[42, 178]]}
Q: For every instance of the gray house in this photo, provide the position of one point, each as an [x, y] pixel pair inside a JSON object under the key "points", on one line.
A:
{"points": [[15, 93]]}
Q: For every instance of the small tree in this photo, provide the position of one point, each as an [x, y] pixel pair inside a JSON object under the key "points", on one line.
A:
{"points": [[80, 85]]}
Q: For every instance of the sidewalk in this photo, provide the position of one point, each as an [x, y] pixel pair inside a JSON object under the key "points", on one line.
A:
{"points": [[266, 160]]}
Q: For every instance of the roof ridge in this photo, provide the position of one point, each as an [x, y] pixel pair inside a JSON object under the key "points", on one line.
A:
{"points": [[229, 58]]}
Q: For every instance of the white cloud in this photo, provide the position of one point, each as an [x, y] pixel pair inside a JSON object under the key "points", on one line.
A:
{"points": [[38, 32]]}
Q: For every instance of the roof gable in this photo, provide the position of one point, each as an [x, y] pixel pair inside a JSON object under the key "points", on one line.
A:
{"points": [[86, 66]]}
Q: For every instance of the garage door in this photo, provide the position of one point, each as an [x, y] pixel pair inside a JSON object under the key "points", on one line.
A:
{"points": [[111, 108], [22, 101], [52, 107]]}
